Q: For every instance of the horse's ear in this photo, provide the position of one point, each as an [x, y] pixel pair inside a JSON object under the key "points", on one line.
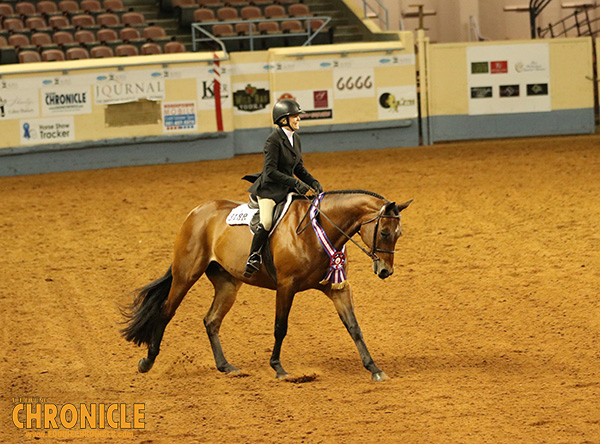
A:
{"points": [[390, 207], [404, 205]]}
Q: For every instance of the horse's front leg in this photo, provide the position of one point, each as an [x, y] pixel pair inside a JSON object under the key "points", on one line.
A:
{"points": [[342, 299], [284, 300]]}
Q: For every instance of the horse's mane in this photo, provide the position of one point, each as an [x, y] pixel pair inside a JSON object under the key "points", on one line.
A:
{"points": [[370, 193]]}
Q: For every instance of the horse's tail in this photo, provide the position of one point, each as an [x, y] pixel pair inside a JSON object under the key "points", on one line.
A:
{"points": [[144, 314]]}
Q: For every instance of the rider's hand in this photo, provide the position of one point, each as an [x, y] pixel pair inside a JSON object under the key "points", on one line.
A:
{"points": [[317, 187], [301, 187]]}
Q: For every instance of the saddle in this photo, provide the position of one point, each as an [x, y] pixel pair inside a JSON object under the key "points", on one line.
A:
{"points": [[248, 213], [278, 212]]}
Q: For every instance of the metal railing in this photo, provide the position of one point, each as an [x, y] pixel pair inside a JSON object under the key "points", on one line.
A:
{"points": [[370, 12], [579, 22], [535, 9], [201, 34]]}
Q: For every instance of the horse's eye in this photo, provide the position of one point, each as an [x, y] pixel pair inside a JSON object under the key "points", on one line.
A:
{"points": [[385, 233]]}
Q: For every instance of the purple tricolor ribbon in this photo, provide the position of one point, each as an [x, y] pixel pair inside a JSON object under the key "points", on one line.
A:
{"points": [[337, 259]]}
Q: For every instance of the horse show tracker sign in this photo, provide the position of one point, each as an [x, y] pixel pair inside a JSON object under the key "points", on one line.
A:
{"points": [[506, 79], [50, 130]]}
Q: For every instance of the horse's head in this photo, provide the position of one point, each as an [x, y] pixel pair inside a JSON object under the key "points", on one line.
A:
{"points": [[381, 233]]}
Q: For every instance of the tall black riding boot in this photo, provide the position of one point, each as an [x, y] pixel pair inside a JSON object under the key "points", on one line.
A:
{"points": [[255, 258]]}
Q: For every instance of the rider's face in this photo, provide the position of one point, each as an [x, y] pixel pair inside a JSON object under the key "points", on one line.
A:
{"points": [[294, 122]]}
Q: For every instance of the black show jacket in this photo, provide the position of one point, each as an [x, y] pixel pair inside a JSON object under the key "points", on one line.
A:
{"points": [[281, 162]]}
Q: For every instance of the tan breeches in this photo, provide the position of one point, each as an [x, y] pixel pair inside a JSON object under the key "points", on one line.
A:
{"points": [[266, 212]]}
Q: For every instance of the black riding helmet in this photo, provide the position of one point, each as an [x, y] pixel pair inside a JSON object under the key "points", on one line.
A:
{"points": [[285, 108]]}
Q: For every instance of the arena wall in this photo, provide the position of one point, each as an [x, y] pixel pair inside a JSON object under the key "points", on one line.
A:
{"points": [[160, 109], [510, 89], [163, 109]]}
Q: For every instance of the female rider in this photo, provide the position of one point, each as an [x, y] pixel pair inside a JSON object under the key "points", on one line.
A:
{"points": [[283, 160]]}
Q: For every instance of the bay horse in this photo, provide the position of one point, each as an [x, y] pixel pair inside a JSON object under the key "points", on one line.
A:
{"points": [[206, 244]]}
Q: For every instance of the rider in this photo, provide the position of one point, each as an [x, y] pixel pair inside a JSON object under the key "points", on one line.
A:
{"points": [[283, 160]]}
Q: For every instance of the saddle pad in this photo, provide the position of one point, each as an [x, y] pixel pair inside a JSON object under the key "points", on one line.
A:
{"points": [[241, 215]]}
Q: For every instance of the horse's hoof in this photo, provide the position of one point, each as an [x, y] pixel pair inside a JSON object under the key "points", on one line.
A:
{"points": [[232, 370], [380, 376], [144, 365], [282, 375]]}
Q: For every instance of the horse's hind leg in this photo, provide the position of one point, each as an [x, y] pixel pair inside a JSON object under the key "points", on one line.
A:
{"points": [[342, 299], [179, 288], [226, 288]]}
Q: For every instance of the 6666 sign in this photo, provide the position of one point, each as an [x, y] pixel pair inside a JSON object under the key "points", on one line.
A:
{"points": [[353, 83]]}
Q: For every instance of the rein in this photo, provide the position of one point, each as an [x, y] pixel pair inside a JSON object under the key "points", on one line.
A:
{"points": [[374, 250]]}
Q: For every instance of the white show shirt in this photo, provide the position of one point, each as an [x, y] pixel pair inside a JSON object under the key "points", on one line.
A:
{"points": [[290, 135]]}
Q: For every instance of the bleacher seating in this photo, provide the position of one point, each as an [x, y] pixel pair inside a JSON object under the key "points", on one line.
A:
{"points": [[85, 37], [99, 52], [71, 7], [91, 6], [53, 55], [21, 42], [126, 50], [174, 47], [26, 9], [6, 10], [151, 48], [42, 40], [29, 57], [47, 8], [60, 22], [61, 25], [108, 20], [77, 53], [114, 6], [133, 19], [251, 12], [275, 11]]}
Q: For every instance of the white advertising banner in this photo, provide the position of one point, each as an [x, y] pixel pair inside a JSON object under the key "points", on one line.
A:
{"points": [[129, 87], [353, 83], [179, 116], [55, 130], [508, 78], [251, 98], [397, 102], [60, 100], [18, 104], [205, 85]]}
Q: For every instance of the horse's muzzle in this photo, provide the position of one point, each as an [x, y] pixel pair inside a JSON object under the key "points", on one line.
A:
{"points": [[385, 273], [381, 271]]}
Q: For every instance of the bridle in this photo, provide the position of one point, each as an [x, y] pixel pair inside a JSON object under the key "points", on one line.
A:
{"points": [[374, 250], [377, 219]]}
